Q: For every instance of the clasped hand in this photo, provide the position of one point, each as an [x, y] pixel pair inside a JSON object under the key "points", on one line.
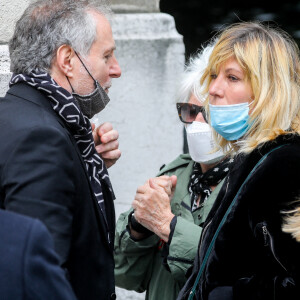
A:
{"points": [[152, 206]]}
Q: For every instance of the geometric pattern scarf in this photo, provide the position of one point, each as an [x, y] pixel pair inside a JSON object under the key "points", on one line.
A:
{"points": [[200, 183], [64, 105]]}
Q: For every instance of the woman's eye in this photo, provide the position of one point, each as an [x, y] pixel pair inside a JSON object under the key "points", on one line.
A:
{"points": [[233, 78], [213, 76]]}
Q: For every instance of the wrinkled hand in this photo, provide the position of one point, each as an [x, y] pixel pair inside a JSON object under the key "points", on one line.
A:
{"points": [[152, 206], [106, 142], [167, 183]]}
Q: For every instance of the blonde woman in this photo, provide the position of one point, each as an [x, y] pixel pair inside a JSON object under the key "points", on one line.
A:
{"points": [[253, 89]]}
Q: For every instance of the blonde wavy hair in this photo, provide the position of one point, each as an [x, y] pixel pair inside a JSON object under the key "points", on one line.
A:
{"points": [[292, 223], [269, 58]]}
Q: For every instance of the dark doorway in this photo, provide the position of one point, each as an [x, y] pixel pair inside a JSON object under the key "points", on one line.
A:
{"points": [[199, 20]]}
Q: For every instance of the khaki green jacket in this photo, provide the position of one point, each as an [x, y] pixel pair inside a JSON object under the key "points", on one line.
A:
{"points": [[139, 263]]}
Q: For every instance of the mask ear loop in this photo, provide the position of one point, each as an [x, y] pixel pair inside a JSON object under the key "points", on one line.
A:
{"points": [[85, 66], [250, 102], [85, 69], [70, 84]]}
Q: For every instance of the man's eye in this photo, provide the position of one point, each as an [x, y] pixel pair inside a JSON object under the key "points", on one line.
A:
{"points": [[107, 57]]}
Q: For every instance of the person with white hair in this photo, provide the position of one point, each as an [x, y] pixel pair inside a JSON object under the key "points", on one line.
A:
{"points": [[157, 240]]}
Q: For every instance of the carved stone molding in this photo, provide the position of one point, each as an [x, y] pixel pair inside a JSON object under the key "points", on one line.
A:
{"points": [[134, 6]]}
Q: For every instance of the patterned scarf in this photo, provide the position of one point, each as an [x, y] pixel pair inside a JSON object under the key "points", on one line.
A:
{"points": [[200, 183], [64, 105]]}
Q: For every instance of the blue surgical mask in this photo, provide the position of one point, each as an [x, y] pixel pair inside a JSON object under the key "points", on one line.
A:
{"points": [[230, 121]]}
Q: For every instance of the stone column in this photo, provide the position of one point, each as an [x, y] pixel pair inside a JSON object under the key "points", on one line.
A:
{"points": [[10, 11], [151, 54], [142, 107]]}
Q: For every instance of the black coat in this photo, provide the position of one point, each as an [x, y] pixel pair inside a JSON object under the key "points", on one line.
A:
{"points": [[29, 267], [42, 175], [252, 258]]}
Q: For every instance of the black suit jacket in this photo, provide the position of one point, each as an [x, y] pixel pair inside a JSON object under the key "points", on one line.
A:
{"points": [[29, 266], [42, 175]]}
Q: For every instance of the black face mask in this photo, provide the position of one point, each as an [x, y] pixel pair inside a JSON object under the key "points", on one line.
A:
{"points": [[94, 102]]}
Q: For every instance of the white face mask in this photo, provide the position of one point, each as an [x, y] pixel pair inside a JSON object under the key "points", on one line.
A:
{"points": [[201, 143]]}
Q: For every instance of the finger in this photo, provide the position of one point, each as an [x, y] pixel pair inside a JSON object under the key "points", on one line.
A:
{"points": [[104, 128], [138, 202], [109, 136], [142, 189], [95, 135], [163, 177], [107, 147], [166, 183], [173, 181], [134, 204], [140, 197], [155, 186], [163, 182], [111, 155]]}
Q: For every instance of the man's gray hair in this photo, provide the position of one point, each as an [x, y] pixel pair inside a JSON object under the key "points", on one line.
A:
{"points": [[48, 24], [194, 69]]}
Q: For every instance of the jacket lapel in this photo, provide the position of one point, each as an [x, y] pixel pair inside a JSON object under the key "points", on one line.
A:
{"points": [[103, 226], [27, 93]]}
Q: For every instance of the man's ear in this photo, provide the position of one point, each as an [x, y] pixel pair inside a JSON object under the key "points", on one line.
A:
{"points": [[65, 60]]}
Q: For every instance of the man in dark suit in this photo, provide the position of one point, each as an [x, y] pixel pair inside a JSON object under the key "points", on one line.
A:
{"points": [[28, 263], [62, 59]]}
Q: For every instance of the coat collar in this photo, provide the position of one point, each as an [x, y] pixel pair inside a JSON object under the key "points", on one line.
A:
{"points": [[243, 160], [28, 93]]}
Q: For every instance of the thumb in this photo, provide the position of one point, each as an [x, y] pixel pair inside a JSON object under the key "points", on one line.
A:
{"points": [[95, 135], [173, 181]]}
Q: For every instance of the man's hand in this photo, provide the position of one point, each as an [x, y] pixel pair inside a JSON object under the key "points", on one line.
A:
{"points": [[152, 206], [106, 142]]}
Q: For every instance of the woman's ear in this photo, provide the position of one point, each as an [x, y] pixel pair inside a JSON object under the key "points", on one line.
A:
{"points": [[65, 60]]}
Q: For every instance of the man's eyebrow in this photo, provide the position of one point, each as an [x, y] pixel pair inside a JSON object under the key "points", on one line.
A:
{"points": [[111, 49]]}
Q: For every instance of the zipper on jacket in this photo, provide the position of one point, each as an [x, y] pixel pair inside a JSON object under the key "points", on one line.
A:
{"points": [[265, 233], [267, 236]]}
